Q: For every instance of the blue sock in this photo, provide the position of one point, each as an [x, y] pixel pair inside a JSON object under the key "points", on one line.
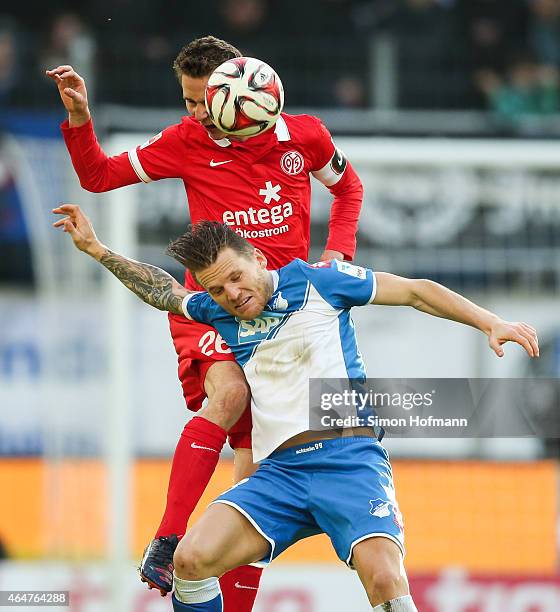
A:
{"points": [[197, 595], [215, 605]]}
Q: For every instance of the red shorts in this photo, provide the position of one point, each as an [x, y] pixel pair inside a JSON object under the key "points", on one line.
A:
{"points": [[198, 347]]}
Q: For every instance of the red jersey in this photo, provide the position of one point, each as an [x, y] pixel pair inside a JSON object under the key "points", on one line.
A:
{"points": [[260, 187]]}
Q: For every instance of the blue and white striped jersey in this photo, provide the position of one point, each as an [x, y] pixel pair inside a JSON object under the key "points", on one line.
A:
{"points": [[305, 331]]}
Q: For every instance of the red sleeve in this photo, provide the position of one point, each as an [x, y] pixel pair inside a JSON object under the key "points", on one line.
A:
{"points": [[158, 158], [345, 210], [96, 171], [321, 145], [330, 166], [163, 156]]}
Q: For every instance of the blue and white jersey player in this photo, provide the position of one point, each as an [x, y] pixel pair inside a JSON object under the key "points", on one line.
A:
{"points": [[305, 331], [284, 327], [341, 486]]}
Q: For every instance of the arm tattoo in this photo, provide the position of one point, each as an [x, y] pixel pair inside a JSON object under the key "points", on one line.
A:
{"points": [[152, 285]]}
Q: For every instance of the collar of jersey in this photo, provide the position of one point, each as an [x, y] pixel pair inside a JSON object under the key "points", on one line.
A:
{"points": [[281, 131], [275, 280]]}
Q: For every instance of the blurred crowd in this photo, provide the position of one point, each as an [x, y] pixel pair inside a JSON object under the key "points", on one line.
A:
{"points": [[502, 55]]}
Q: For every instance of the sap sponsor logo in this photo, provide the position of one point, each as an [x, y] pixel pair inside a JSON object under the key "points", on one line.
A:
{"points": [[379, 507], [350, 269], [258, 329], [321, 264]]}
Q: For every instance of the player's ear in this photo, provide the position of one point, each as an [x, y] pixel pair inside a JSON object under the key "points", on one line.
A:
{"points": [[261, 259]]}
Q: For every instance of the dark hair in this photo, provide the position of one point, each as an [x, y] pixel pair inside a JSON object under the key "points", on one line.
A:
{"points": [[201, 244], [202, 56]]}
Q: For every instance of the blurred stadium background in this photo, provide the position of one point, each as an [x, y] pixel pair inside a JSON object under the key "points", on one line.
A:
{"points": [[450, 111]]}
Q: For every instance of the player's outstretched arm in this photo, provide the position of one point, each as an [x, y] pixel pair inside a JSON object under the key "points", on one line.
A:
{"points": [[434, 299], [152, 285], [97, 172], [73, 93]]}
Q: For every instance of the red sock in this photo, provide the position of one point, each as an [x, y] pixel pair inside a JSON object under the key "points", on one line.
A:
{"points": [[240, 587], [194, 462]]}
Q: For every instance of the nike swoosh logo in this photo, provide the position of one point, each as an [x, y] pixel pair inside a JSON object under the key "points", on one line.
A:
{"points": [[213, 164], [242, 586], [195, 445]]}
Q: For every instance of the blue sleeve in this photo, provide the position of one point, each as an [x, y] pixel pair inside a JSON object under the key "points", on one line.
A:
{"points": [[343, 284], [199, 307]]}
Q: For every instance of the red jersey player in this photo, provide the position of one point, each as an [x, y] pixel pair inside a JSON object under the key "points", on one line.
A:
{"points": [[260, 187]]}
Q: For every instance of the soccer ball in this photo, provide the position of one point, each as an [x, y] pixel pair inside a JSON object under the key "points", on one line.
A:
{"points": [[244, 96]]}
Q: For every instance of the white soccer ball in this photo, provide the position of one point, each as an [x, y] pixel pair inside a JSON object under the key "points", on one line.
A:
{"points": [[244, 96]]}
